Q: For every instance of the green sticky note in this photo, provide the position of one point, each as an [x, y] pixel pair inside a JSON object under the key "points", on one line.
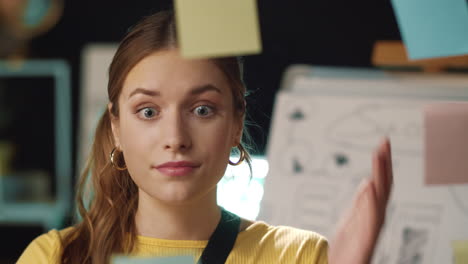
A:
{"points": [[460, 252], [217, 28]]}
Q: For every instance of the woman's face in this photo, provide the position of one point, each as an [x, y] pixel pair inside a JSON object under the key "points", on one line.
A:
{"points": [[176, 110]]}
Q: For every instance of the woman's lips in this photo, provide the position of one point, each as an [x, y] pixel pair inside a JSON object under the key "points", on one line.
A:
{"points": [[177, 168], [176, 171]]}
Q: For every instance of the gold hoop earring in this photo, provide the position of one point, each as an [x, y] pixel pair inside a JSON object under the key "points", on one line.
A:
{"points": [[114, 164], [241, 158]]}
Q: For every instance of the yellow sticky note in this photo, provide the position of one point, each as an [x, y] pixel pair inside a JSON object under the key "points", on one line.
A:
{"points": [[217, 28], [460, 252]]}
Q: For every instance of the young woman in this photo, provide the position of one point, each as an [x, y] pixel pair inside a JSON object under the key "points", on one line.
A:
{"points": [[159, 151]]}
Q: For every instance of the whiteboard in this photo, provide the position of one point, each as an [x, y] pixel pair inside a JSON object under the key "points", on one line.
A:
{"points": [[323, 133], [96, 58]]}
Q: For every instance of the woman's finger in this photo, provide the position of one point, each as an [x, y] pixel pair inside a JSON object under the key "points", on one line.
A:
{"points": [[377, 174], [389, 167]]}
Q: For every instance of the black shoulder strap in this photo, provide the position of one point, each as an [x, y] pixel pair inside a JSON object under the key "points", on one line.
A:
{"points": [[222, 240]]}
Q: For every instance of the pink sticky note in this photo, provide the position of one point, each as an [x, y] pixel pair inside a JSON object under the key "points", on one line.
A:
{"points": [[446, 143]]}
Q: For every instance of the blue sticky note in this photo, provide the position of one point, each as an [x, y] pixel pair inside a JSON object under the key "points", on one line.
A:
{"points": [[153, 260], [433, 28]]}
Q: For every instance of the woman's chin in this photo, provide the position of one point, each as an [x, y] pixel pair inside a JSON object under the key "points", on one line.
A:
{"points": [[175, 196], [179, 192]]}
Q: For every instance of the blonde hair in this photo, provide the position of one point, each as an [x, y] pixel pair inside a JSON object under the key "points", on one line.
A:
{"points": [[108, 225]]}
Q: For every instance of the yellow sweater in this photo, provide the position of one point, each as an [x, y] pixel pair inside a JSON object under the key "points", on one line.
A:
{"points": [[259, 243]]}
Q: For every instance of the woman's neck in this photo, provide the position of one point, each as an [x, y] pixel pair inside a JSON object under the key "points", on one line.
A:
{"points": [[196, 220]]}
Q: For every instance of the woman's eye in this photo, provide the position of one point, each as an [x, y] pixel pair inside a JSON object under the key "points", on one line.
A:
{"points": [[147, 112], [203, 110]]}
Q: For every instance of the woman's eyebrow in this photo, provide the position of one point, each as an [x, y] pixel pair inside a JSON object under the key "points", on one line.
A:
{"points": [[195, 91], [204, 88], [145, 92]]}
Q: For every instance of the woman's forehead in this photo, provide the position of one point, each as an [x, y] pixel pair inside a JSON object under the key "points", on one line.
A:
{"points": [[167, 71]]}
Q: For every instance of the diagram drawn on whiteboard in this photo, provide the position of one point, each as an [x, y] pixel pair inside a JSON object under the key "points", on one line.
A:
{"points": [[319, 154], [355, 128]]}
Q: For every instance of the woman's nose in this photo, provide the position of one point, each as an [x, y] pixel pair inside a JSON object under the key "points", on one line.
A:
{"points": [[177, 136]]}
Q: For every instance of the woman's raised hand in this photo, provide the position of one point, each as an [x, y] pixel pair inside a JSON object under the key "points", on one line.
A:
{"points": [[357, 232]]}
